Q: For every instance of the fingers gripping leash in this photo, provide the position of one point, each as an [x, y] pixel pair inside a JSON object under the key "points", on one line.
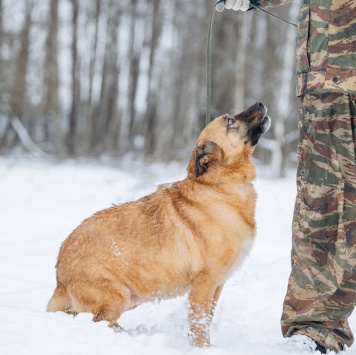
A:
{"points": [[242, 5]]}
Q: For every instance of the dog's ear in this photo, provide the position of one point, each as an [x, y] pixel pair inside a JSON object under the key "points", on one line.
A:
{"points": [[203, 156]]}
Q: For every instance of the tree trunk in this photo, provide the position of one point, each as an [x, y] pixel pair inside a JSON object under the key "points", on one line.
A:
{"points": [[106, 130], [51, 82], [89, 111], [2, 83], [283, 94], [258, 74], [1, 43], [18, 98], [134, 60], [74, 113], [112, 92], [239, 92], [150, 119]]}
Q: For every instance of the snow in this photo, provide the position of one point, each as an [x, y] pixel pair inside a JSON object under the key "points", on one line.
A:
{"points": [[41, 202]]}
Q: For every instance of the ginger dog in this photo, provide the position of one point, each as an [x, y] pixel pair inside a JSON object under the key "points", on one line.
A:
{"points": [[187, 237]]}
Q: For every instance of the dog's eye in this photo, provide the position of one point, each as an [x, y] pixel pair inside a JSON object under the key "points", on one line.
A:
{"points": [[230, 121]]}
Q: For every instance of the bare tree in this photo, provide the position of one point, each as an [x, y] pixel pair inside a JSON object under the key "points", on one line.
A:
{"points": [[134, 63], [2, 83], [137, 68], [51, 82], [106, 124], [93, 19], [151, 113], [74, 113], [241, 55], [18, 99], [1, 39]]}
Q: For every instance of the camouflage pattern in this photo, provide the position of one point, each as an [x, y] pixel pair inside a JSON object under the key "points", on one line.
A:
{"points": [[326, 45], [322, 286], [321, 291]]}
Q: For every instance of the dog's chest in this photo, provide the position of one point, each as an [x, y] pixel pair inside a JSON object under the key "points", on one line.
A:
{"points": [[234, 220], [240, 256]]}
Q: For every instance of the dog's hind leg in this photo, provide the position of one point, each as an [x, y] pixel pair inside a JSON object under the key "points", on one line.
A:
{"points": [[104, 302], [60, 300], [215, 300]]}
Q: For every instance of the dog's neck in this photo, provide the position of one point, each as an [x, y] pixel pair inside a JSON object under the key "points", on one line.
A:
{"points": [[241, 171]]}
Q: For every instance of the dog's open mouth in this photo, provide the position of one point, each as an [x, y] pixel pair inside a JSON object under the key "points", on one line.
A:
{"points": [[265, 124], [258, 123], [260, 110]]}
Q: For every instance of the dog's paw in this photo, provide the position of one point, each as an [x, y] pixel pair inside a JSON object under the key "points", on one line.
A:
{"points": [[115, 327]]}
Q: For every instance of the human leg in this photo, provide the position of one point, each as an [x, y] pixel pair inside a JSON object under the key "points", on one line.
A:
{"points": [[321, 287]]}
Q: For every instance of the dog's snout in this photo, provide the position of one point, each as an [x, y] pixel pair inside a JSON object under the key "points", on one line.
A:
{"points": [[259, 106], [256, 111]]}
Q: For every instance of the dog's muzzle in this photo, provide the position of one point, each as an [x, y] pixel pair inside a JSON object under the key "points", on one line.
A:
{"points": [[258, 122]]}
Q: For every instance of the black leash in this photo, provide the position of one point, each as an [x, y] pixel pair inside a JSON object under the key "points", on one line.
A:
{"points": [[219, 6], [273, 15]]}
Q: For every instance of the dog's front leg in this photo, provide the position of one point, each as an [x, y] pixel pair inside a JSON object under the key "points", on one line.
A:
{"points": [[216, 297], [201, 300]]}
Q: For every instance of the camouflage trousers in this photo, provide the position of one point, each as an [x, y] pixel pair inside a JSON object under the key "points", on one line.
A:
{"points": [[321, 291]]}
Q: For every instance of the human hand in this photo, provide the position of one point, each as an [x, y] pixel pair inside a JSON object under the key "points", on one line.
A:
{"points": [[241, 5]]}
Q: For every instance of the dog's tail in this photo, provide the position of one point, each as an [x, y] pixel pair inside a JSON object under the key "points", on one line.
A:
{"points": [[60, 300]]}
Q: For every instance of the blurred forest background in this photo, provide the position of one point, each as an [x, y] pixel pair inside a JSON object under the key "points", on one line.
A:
{"points": [[112, 77]]}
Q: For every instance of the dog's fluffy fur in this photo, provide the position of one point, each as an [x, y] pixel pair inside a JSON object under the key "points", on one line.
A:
{"points": [[186, 237]]}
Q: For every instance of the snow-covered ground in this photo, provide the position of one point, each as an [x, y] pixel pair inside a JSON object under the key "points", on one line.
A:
{"points": [[42, 202]]}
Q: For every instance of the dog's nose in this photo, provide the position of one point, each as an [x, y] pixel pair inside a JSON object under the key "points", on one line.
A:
{"points": [[261, 107]]}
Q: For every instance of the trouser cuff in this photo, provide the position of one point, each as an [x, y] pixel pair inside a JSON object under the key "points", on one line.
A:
{"points": [[323, 336]]}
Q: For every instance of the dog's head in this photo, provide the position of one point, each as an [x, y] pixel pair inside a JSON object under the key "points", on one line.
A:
{"points": [[228, 142]]}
